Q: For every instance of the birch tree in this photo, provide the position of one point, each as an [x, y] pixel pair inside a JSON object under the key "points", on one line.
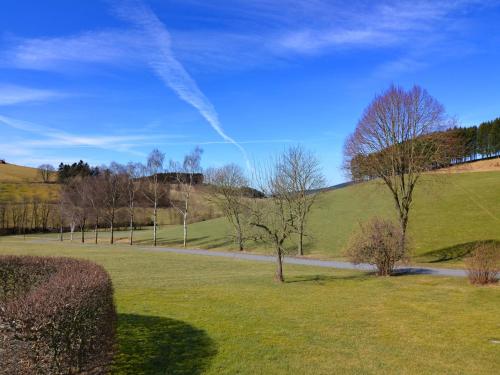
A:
{"points": [[154, 185], [185, 176]]}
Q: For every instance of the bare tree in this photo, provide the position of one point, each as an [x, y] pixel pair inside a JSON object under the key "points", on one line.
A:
{"points": [[96, 198], [133, 175], [113, 188], [45, 171], [227, 186], [394, 141], [185, 175], [274, 216], [76, 204], [154, 188], [302, 172]]}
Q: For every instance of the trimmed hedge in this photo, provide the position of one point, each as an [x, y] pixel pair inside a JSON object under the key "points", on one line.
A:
{"points": [[57, 316]]}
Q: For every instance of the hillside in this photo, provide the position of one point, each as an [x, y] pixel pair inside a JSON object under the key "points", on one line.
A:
{"points": [[23, 182], [450, 213]]}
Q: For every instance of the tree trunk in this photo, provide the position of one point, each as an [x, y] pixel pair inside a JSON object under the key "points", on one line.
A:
{"points": [[185, 229], [239, 233], [154, 224], [279, 266], [61, 233], [96, 228], [112, 226], [300, 250], [131, 229], [240, 239]]}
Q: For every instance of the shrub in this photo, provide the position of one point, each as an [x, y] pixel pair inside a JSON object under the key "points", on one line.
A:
{"points": [[57, 316], [483, 266], [379, 242]]}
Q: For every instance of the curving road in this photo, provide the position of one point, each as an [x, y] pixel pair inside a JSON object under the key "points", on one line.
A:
{"points": [[310, 262]]}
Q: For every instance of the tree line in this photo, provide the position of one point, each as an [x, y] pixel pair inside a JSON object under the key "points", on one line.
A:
{"points": [[476, 142]]}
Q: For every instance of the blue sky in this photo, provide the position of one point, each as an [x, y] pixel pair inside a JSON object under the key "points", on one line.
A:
{"points": [[110, 80]]}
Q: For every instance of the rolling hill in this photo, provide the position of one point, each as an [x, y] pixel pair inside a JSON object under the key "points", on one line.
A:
{"points": [[451, 212]]}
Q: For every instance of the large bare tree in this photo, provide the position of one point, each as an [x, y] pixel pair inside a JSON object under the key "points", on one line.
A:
{"points": [[227, 186], [186, 178], [302, 172], [395, 141]]}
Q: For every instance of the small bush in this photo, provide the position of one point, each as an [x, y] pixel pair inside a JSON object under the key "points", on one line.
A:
{"points": [[379, 242], [483, 266], [57, 316]]}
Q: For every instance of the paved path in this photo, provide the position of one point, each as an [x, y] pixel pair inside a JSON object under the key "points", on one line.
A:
{"points": [[300, 261], [310, 262]]}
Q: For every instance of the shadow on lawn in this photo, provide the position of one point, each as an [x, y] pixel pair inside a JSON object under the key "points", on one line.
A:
{"points": [[154, 345], [455, 252], [322, 279]]}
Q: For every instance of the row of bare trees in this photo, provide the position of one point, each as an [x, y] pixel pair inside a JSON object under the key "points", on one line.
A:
{"points": [[99, 198], [26, 215]]}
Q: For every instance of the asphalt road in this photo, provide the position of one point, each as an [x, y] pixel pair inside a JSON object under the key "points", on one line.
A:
{"points": [[311, 262]]}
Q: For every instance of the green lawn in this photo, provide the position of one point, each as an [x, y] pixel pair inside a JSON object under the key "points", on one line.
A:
{"points": [[185, 314]]}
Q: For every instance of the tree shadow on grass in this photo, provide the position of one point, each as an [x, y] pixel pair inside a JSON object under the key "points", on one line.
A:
{"points": [[322, 279], [455, 252], [154, 345]]}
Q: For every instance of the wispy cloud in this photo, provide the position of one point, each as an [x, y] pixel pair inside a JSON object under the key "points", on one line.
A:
{"points": [[255, 32], [51, 137], [97, 47], [11, 95], [170, 70]]}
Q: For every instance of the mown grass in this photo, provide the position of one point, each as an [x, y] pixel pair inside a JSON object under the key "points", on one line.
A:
{"points": [[186, 314]]}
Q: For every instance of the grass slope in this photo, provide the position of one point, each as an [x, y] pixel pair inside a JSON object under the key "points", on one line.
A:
{"points": [[182, 314], [450, 214], [18, 182]]}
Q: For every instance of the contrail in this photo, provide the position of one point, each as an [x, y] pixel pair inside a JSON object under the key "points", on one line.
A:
{"points": [[170, 70]]}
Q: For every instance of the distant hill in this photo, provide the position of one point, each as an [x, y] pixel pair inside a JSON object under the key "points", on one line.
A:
{"points": [[17, 181]]}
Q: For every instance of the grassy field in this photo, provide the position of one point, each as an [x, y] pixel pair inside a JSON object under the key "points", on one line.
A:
{"points": [[185, 314], [451, 213]]}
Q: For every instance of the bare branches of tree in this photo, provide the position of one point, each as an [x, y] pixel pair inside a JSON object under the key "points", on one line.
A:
{"points": [[133, 174], [114, 191], [45, 171], [185, 175], [394, 141], [273, 217], [227, 186], [302, 172], [154, 185]]}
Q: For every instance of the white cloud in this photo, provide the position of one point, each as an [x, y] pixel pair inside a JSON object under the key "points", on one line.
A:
{"points": [[95, 47], [52, 138], [11, 95], [170, 70]]}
